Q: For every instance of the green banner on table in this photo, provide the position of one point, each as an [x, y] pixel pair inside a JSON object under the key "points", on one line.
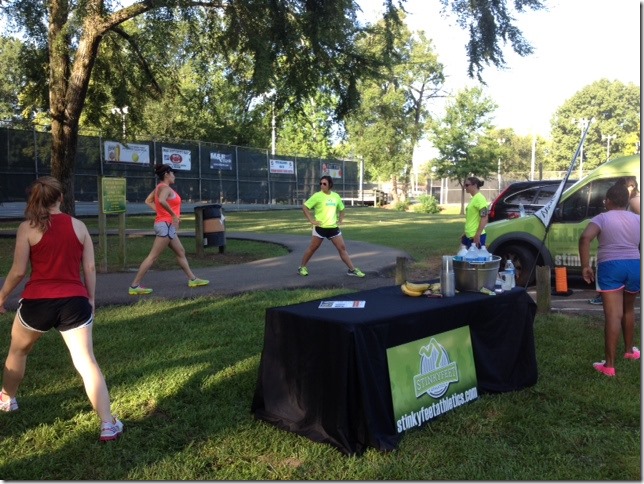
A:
{"points": [[431, 376]]}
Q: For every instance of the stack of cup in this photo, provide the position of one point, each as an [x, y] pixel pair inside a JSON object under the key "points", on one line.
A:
{"points": [[448, 280]]}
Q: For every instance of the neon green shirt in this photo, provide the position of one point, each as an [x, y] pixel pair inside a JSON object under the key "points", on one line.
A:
{"points": [[473, 214], [325, 208]]}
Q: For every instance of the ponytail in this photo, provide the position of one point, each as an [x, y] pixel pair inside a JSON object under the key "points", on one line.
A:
{"points": [[43, 193]]}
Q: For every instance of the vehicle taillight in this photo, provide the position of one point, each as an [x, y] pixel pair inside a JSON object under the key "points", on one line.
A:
{"points": [[493, 206]]}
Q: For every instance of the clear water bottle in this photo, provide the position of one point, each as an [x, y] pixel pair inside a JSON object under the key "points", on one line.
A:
{"points": [[460, 255], [510, 272], [472, 254], [521, 210], [484, 255]]}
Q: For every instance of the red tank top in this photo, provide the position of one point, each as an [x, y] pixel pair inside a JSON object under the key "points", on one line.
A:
{"points": [[174, 200], [55, 263]]}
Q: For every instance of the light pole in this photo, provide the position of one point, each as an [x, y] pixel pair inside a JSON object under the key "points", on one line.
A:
{"points": [[122, 111], [583, 124], [608, 139], [273, 137], [498, 166]]}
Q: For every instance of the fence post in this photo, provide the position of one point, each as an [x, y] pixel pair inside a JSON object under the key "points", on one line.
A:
{"points": [[543, 289], [401, 270]]}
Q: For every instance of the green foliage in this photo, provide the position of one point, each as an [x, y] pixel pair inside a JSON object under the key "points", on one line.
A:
{"points": [[614, 108], [426, 204], [487, 22], [464, 139], [394, 109], [401, 205]]}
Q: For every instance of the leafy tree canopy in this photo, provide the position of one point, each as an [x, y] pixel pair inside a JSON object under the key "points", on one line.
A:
{"points": [[464, 140], [613, 108], [293, 47]]}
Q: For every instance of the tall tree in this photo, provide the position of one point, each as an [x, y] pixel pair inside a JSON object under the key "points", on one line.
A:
{"points": [[294, 45], [464, 140], [395, 104], [613, 107]]}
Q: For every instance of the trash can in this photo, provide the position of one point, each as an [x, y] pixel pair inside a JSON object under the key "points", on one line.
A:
{"points": [[214, 232]]}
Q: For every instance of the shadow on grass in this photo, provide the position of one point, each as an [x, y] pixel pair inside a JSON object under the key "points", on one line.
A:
{"points": [[179, 375]]}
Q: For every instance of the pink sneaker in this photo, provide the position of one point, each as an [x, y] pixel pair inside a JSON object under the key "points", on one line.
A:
{"points": [[602, 368], [634, 354]]}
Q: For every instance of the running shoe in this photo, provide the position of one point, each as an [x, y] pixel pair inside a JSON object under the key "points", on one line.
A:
{"points": [[111, 430], [303, 271], [597, 300], [602, 368], [634, 354], [139, 291], [355, 272], [10, 405], [196, 282]]}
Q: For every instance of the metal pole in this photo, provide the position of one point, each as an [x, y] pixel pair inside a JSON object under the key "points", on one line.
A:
{"points": [[534, 155]]}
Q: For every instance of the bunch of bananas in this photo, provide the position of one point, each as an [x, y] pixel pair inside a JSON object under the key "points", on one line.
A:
{"points": [[414, 289]]}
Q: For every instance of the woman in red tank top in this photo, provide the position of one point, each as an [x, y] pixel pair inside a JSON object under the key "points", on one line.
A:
{"points": [[56, 245], [167, 205]]}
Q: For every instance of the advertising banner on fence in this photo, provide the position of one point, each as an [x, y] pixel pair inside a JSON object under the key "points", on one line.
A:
{"points": [[334, 170], [221, 161], [131, 153], [178, 159], [282, 166], [431, 376]]}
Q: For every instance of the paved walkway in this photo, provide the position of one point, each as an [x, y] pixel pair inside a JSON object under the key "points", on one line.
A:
{"points": [[325, 270]]}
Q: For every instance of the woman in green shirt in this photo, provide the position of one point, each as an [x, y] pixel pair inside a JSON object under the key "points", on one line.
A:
{"points": [[325, 211], [476, 214]]}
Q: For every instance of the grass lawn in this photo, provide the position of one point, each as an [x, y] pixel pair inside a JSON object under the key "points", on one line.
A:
{"points": [[182, 374]]}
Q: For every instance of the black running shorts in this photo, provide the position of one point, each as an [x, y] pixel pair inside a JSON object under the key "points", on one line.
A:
{"points": [[326, 233], [63, 314]]}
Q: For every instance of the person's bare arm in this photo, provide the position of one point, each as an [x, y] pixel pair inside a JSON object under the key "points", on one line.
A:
{"points": [[20, 264]]}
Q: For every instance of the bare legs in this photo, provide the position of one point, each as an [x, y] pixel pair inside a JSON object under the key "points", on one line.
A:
{"points": [[339, 244], [619, 314], [22, 342], [159, 245], [79, 343]]}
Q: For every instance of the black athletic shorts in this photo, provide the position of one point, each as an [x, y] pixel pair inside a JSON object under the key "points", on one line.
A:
{"points": [[326, 233], [63, 314]]}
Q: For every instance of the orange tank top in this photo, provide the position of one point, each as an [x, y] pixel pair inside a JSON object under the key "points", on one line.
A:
{"points": [[174, 200]]}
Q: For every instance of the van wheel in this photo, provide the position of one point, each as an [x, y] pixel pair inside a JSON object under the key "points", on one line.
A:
{"points": [[523, 260]]}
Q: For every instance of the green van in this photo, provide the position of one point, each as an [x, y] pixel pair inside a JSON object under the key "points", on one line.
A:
{"points": [[522, 239]]}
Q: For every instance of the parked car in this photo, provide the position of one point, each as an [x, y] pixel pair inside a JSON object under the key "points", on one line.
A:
{"points": [[524, 240], [531, 194]]}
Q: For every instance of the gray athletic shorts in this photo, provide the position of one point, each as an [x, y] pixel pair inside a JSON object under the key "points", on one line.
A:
{"points": [[165, 229]]}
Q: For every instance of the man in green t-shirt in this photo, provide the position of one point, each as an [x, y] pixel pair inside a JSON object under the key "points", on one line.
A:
{"points": [[325, 210]]}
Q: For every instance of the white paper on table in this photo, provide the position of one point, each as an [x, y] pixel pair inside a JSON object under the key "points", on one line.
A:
{"points": [[341, 304]]}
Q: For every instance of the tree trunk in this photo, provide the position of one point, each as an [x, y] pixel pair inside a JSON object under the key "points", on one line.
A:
{"points": [[68, 89], [63, 156], [462, 200]]}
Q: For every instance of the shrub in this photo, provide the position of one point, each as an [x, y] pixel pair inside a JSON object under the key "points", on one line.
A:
{"points": [[426, 204], [401, 205]]}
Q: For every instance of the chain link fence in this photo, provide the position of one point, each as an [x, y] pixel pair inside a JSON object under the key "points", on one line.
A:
{"points": [[210, 172]]}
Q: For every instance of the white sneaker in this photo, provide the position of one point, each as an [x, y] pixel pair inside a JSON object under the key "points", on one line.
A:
{"points": [[111, 430], [10, 405]]}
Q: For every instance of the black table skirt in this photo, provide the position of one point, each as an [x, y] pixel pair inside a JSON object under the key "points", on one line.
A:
{"points": [[323, 372]]}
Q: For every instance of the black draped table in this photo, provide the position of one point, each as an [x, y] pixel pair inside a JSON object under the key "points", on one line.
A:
{"points": [[323, 372]]}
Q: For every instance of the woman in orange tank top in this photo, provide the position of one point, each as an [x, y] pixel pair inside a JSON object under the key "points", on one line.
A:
{"points": [[167, 205]]}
